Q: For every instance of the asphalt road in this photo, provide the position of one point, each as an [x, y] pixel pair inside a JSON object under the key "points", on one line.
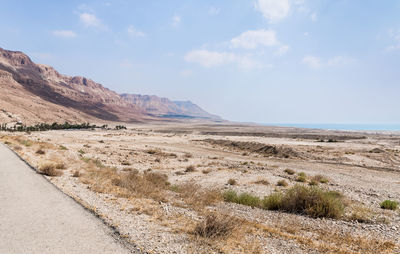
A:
{"points": [[35, 217]]}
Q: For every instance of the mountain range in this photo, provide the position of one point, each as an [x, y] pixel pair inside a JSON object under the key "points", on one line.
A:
{"points": [[34, 93]]}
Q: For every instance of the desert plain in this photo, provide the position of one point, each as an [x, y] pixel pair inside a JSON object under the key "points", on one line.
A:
{"points": [[210, 187]]}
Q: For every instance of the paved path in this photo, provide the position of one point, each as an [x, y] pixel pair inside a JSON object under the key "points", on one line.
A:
{"points": [[35, 217]]}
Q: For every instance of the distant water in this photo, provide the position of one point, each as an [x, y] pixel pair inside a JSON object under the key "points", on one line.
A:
{"points": [[350, 127]]}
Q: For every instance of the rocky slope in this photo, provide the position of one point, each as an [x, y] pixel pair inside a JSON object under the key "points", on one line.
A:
{"points": [[33, 93], [163, 107]]}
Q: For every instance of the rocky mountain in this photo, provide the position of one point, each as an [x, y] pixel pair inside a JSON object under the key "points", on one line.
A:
{"points": [[163, 107], [32, 93]]}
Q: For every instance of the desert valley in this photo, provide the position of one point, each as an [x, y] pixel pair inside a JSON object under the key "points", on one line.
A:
{"points": [[177, 179]]}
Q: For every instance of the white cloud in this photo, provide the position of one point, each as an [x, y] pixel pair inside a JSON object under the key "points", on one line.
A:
{"points": [[176, 20], [341, 60], [213, 11], [312, 61], [254, 38], [282, 50], [90, 20], [273, 10], [210, 59], [314, 17], [64, 33], [316, 62], [132, 31], [395, 36], [306, 34]]}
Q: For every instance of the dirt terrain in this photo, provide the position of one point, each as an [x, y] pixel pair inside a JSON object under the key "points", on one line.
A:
{"points": [[164, 186]]}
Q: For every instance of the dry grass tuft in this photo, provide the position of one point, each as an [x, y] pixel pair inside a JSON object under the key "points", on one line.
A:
{"points": [[290, 171], [49, 170], [262, 182], [214, 226], [40, 152], [232, 181], [76, 173], [282, 183], [190, 168]]}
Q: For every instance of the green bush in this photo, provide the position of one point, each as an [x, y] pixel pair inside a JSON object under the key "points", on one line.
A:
{"points": [[389, 204], [242, 199], [309, 200], [273, 201]]}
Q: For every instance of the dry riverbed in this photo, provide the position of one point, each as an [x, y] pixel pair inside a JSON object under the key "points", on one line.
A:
{"points": [[163, 187]]}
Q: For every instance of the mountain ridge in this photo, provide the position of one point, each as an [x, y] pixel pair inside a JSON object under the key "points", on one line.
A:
{"points": [[35, 93]]}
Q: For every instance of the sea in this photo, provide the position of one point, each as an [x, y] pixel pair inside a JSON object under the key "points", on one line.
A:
{"points": [[344, 127]]}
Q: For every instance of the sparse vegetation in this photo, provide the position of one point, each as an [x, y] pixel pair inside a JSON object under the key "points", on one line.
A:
{"points": [[49, 170], [320, 179], [262, 181], [389, 204], [282, 183], [40, 152], [214, 226], [299, 199], [232, 181], [290, 171], [190, 168], [301, 177]]}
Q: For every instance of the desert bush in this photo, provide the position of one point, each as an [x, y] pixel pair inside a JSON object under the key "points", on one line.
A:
{"points": [[290, 171], [242, 199], [190, 168], [389, 204], [360, 214], [273, 201], [49, 170], [262, 181], [60, 165], [40, 152], [313, 183], [232, 181], [301, 177], [126, 163], [320, 178], [76, 173], [313, 201], [282, 183], [196, 196], [63, 148], [206, 171], [214, 226]]}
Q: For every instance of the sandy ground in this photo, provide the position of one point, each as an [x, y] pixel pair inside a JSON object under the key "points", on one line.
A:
{"points": [[35, 217], [365, 167]]}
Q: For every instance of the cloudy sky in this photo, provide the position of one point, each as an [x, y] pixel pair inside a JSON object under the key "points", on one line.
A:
{"points": [[265, 61]]}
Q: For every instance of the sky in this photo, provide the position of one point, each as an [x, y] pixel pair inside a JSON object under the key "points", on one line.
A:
{"points": [[264, 61]]}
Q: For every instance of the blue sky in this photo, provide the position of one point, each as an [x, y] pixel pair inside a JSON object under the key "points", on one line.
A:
{"points": [[266, 61]]}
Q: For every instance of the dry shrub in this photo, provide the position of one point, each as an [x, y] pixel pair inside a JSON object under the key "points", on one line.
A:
{"points": [[360, 214], [320, 179], [40, 152], [206, 171], [262, 182], [313, 201], [290, 171], [147, 184], [196, 196], [190, 168], [215, 226], [76, 173], [282, 183], [60, 165], [49, 170], [160, 153], [126, 163], [232, 181]]}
